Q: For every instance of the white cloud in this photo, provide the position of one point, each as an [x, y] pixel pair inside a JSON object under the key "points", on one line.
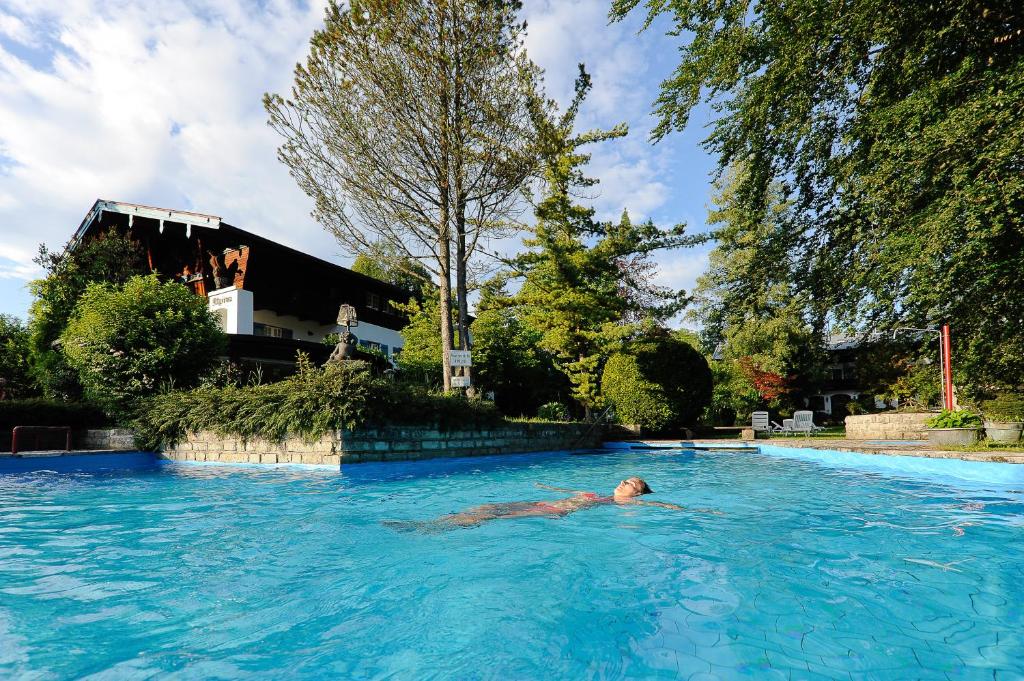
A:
{"points": [[160, 102]]}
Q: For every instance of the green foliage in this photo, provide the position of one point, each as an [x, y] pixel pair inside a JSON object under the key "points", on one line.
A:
{"points": [[637, 400], [507, 359], [954, 419], [126, 341], [659, 382], [15, 377], [387, 263], [891, 131], [586, 282], [919, 385], [1008, 407], [310, 404], [39, 411], [420, 359], [109, 258], [553, 411]]}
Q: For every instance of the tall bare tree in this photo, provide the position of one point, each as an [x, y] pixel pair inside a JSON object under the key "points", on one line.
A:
{"points": [[409, 124]]}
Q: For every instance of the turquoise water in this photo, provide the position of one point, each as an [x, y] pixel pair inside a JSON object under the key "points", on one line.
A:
{"points": [[813, 570]]}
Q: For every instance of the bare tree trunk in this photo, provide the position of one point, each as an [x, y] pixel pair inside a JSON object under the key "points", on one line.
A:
{"points": [[461, 283], [444, 258]]}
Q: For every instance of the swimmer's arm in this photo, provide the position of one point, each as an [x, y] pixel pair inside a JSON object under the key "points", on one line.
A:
{"points": [[659, 504], [674, 507]]}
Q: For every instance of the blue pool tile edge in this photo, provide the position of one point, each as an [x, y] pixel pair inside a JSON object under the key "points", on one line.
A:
{"points": [[80, 462], [953, 470]]}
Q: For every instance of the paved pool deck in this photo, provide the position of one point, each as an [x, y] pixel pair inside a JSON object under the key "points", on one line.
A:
{"points": [[916, 448]]}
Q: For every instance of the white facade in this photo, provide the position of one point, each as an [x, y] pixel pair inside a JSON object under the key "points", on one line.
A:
{"points": [[234, 309]]}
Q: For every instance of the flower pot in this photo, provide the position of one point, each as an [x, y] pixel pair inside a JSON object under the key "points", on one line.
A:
{"points": [[1004, 431], [953, 437]]}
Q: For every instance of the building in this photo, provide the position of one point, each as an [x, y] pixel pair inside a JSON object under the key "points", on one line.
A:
{"points": [[270, 299]]}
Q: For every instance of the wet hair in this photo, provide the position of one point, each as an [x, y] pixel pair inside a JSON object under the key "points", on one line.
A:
{"points": [[641, 484]]}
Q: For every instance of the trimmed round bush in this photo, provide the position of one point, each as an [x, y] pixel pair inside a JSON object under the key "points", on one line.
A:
{"points": [[127, 341], [658, 382]]}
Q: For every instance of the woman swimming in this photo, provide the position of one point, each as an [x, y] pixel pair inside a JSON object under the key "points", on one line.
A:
{"points": [[625, 493]]}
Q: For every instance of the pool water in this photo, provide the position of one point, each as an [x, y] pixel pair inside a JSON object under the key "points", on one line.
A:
{"points": [[810, 571]]}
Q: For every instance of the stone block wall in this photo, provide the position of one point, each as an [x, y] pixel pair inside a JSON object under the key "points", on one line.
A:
{"points": [[887, 426], [388, 444], [114, 439]]}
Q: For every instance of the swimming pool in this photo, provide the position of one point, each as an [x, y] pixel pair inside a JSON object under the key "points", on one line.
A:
{"points": [[208, 571]]}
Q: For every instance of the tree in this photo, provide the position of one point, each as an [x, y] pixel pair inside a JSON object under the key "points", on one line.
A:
{"points": [[507, 359], [657, 381], [751, 308], [109, 258], [893, 130], [380, 263], [421, 358], [15, 377], [586, 282], [409, 125], [127, 341]]}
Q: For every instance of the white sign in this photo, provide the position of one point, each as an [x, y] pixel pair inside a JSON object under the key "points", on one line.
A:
{"points": [[461, 358], [460, 381]]}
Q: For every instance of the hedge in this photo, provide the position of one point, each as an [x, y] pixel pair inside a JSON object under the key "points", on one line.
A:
{"points": [[313, 402]]}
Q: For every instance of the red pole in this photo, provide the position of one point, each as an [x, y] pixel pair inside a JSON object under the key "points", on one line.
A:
{"points": [[947, 368]]}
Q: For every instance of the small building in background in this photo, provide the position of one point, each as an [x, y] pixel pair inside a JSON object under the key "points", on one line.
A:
{"points": [[271, 300]]}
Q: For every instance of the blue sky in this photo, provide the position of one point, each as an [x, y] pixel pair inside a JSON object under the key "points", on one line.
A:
{"points": [[160, 103]]}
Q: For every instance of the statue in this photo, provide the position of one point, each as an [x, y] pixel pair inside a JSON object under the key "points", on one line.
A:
{"points": [[347, 341], [221, 278]]}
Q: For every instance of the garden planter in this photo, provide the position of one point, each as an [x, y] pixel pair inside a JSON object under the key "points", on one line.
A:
{"points": [[1004, 431], [953, 437]]}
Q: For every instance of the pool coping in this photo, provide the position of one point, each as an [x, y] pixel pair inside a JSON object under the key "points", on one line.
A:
{"points": [[52, 453], [911, 449]]}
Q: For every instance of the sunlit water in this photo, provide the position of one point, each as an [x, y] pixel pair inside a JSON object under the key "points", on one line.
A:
{"points": [[199, 572]]}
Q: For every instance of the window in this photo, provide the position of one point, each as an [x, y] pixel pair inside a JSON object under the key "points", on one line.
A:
{"points": [[268, 331], [373, 301], [837, 373]]}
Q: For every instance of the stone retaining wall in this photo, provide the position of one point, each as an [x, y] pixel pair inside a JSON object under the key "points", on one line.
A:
{"points": [[887, 426], [108, 439], [388, 444]]}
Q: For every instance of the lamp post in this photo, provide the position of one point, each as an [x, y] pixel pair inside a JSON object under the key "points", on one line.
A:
{"points": [[945, 365]]}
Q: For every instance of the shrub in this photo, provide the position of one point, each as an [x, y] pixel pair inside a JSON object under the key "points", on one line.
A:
{"points": [[553, 411], [125, 342], [1008, 407], [954, 419], [311, 403], [658, 382]]}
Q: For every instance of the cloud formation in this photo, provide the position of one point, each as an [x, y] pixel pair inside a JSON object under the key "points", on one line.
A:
{"points": [[160, 103]]}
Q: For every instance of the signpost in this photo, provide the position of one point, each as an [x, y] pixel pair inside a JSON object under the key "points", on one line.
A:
{"points": [[460, 358], [460, 381]]}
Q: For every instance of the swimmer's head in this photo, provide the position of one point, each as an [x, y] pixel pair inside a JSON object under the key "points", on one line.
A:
{"points": [[632, 487]]}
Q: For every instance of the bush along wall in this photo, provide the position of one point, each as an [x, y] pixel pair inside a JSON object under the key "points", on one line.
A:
{"points": [[314, 402]]}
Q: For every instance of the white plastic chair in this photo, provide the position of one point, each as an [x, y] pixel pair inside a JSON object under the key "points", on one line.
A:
{"points": [[803, 422], [759, 421]]}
